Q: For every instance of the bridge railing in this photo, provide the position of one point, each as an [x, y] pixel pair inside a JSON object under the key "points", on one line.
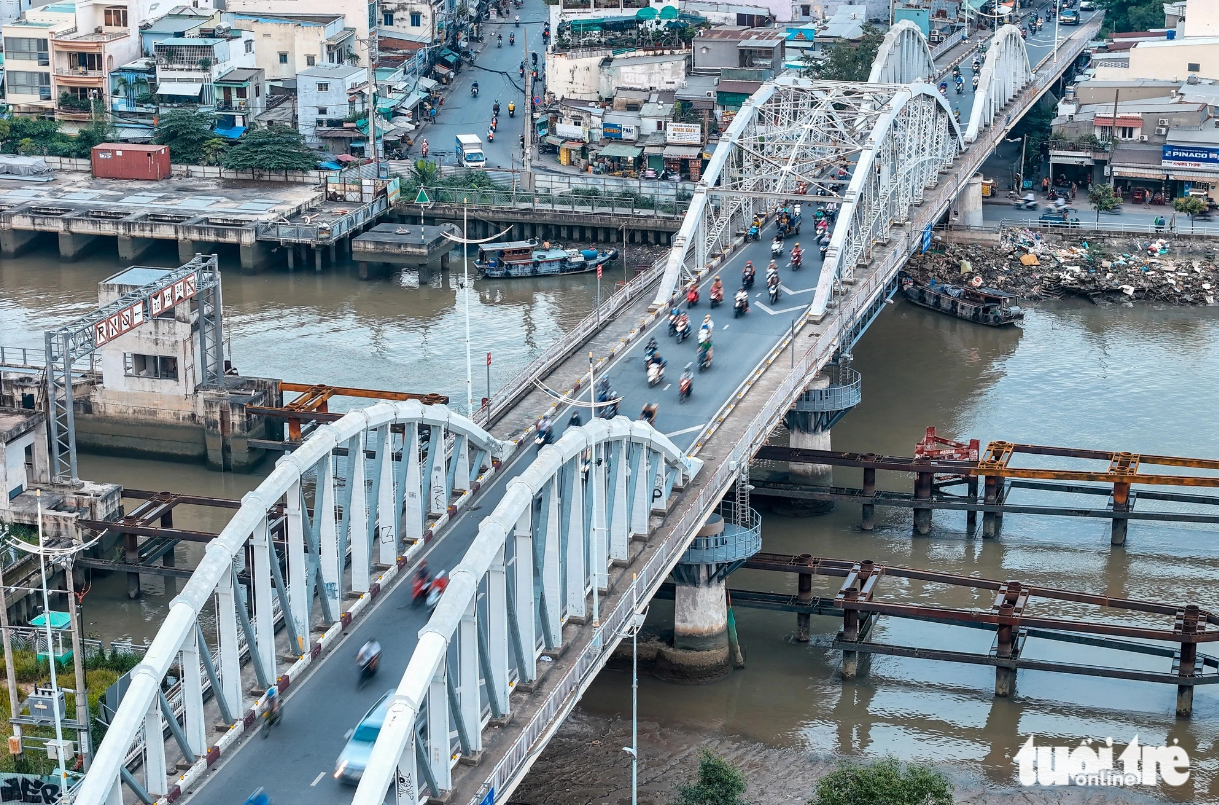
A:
{"points": [[584, 203], [324, 232], [511, 392], [1178, 227]]}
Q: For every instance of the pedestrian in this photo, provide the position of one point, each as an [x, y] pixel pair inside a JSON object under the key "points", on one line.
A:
{"points": [[1074, 188], [1045, 184]]}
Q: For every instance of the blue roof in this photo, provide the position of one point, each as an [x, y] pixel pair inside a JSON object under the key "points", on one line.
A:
{"points": [[231, 134], [138, 275], [273, 18]]}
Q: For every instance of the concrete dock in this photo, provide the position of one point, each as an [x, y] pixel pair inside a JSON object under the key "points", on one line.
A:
{"points": [[402, 245]]}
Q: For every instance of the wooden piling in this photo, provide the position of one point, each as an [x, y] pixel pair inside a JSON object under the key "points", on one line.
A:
{"points": [[868, 516]]}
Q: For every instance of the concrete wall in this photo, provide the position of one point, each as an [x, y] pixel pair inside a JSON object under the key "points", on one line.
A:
{"points": [[425, 31], [356, 12], [312, 177], [1201, 18], [274, 36], [12, 467], [1170, 60], [646, 73], [573, 76]]}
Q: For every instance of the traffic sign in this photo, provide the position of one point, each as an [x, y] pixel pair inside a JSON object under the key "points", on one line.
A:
{"points": [[422, 197], [598, 272], [488, 358]]}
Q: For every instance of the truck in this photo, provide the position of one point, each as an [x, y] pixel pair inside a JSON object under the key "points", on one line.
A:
{"points": [[469, 150]]}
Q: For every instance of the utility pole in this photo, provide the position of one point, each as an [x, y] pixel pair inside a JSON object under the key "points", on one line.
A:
{"points": [[372, 91], [78, 667], [1112, 139], [528, 157], [1020, 175], [10, 671]]}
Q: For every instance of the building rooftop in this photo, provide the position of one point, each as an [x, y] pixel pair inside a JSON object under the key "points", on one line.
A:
{"points": [[296, 19], [847, 23], [240, 75], [331, 71], [728, 32], [1201, 136], [1138, 155], [1193, 40], [173, 24], [1148, 105], [136, 276], [16, 422]]}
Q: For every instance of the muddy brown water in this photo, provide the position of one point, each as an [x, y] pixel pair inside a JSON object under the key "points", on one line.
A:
{"points": [[1139, 379]]}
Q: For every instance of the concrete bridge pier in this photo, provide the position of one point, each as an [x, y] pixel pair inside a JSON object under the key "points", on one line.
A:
{"points": [[703, 648], [15, 242], [187, 249], [73, 245], [132, 249], [255, 256], [967, 211], [827, 398]]}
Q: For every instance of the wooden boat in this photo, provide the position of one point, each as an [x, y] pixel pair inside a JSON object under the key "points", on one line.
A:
{"points": [[524, 258], [977, 304]]}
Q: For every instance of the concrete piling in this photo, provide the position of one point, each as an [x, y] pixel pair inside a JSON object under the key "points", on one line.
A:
{"points": [[990, 520], [1187, 661], [72, 246], [1121, 505], [1005, 648], [971, 493], [867, 520], [922, 491], [850, 634], [804, 596], [132, 249]]}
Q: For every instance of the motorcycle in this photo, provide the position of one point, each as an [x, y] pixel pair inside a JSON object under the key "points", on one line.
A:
{"points": [[753, 233], [544, 436], [436, 590], [648, 414], [474, 91], [704, 356], [511, 39], [692, 296], [499, 43], [518, 20], [717, 297], [511, 110], [797, 260], [368, 670], [649, 352], [270, 718], [685, 385], [741, 306], [656, 372], [960, 87], [683, 329], [747, 277], [776, 248], [943, 88], [420, 583], [975, 82], [775, 293], [1025, 204]]}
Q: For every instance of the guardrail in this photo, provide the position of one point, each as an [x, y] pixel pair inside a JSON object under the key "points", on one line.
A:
{"points": [[23, 357], [560, 350], [485, 198], [1115, 228], [322, 233]]}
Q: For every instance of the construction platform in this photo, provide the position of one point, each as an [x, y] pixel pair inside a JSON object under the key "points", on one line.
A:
{"points": [[402, 245]]}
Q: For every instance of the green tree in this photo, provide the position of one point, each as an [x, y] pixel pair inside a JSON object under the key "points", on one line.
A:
{"points": [[1132, 15], [719, 783], [214, 151], [1191, 206], [885, 782], [184, 131], [1102, 199], [848, 61], [275, 148], [424, 172]]}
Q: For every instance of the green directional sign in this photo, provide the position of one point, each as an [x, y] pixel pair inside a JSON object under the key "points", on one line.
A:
{"points": [[422, 197]]}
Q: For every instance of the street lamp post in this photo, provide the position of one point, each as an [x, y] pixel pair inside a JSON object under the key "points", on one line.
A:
{"points": [[633, 625]]}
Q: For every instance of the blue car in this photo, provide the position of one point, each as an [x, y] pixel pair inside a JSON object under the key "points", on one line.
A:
{"points": [[354, 757], [1069, 16]]}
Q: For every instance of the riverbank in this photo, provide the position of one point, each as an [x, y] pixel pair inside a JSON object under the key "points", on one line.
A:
{"points": [[1110, 269], [584, 765]]}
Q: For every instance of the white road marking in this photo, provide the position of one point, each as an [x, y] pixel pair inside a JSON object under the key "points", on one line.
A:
{"points": [[789, 290], [686, 430], [667, 386], [317, 779], [784, 310]]}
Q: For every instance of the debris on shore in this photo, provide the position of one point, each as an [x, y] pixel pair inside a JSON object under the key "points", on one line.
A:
{"points": [[1113, 269]]}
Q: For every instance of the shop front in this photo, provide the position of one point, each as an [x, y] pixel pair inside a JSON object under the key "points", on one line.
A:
{"points": [[618, 159], [683, 162]]}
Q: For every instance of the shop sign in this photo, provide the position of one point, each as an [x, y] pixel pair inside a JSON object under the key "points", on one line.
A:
{"points": [[1189, 156], [570, 132], [684, 134], [619, 131]]}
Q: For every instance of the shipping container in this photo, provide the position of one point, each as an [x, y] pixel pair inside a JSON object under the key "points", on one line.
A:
{"points": [[130, 161]]}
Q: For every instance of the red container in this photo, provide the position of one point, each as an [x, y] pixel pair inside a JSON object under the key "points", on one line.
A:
{"points": [[130, 161]]}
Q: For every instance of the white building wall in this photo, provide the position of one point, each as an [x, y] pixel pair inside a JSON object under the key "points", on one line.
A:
{"points": [[355, 11], [569, 76], [626, 73], [1201, 18], [1171, 60]]}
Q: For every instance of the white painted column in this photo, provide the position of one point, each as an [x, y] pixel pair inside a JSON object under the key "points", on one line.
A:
{"points": [[577, 570], [551, 578], [438, 492], [619, 519], [298, 588], [328, 534], [406, 789], [522, 567], [598, 557], [497, 624], [656, 466], [115, 797], [230, 659], [438, 751], [357, 519], [195, 720], [467, 676], [642, 480], [155, 781], [461, 455], [413, 492], [387, 508], [264, 615]]}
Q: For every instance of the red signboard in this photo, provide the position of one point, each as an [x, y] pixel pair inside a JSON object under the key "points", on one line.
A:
{"points": [[488, 358], [131, 317], [598, 272]]}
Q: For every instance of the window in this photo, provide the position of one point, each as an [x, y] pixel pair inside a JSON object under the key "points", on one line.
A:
{"points": [[283, 57], [322, 111], [388, 17], [85, 61], [249, 46], [242, 92], [805, 11], [156, 367], [116, 17], [323, 86], [1125, 132], [416, 19], [22, 83], [23, 49], [1193, 67], [310, 60]]}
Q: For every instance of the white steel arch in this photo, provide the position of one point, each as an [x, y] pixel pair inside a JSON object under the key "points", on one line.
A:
{"points": [[535, 560], [1005, 72], [913, 141], [903, 57], [382, 502]]}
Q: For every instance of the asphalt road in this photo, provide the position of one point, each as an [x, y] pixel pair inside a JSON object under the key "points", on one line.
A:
{"points": [[295, 764]]}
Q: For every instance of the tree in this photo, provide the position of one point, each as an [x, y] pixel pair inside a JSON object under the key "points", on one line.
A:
{"points": [[184, 131], [1191, 206], [848, 61], [424, 172], [1132, 15], [214, 151], [275, 148], [1102, 199], [719, 783], [885, 782]]}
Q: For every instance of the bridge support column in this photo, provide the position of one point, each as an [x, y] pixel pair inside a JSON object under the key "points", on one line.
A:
{"points": [[1121, 505], [387, 520], [1187, 662], [969, 203], [187, 249], [923, 482], [971, 493], [357, 516], [72, 246], [808, 424], [699, 652], [521, 596], [255, 256], [992, 496], [328, 535], [298, 596], [867, 520], [14, 243], [132, 249], [155, 781], [230, 657], [264, 616], [195, 721], [1006, 648]]}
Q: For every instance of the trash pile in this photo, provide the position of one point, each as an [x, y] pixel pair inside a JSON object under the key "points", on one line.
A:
{"points": [[1030, 267]]}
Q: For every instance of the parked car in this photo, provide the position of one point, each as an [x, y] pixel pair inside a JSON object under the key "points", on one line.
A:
{"points": [[354, 757]]}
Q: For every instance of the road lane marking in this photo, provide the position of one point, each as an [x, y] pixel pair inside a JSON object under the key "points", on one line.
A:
{"points": [[667, 386], [317, 779], [789, 290], [777, 312], [686, 430]]}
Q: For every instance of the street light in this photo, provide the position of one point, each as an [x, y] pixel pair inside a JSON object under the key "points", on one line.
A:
{"points": [[633, 624], [63, 555], [465, 270]]}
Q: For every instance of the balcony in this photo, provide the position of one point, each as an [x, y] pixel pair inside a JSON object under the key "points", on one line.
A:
{"points": [[96, 37], [235, 105], [78, 72]]}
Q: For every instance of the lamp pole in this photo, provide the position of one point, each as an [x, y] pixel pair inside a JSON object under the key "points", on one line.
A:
{"points": [[633, 625]]}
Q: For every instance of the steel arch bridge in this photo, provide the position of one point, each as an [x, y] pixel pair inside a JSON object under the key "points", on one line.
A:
{"points": [[873, 148], [421, 456], [903, 57]]}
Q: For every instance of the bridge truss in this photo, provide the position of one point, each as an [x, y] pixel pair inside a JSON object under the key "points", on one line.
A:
{"points": [[903, 57], [871, 148], [536, 560], [361, 485], [1005, 72]]}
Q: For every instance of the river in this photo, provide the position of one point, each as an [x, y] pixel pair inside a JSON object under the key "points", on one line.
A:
{"points": [[1137, 379]]}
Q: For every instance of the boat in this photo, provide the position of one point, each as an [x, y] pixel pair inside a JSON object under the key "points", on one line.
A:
{"points": [[987, 306], [526, 258]]}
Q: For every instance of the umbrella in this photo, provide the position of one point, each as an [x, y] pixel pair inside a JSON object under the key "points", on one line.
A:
{"points": [[669, 13], [646, 13]]}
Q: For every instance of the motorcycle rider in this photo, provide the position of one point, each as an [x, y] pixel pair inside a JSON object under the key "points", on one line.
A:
{"points": [[772, 271], [369, 657], [511, 108], [717, 289], [270, 705], [518, 20], [747, 274], [705, 330], [512, 38], [685, 384], [776, 247], [495, 108], [474, 88], [683, 324], [742, 300], [797, 254], [772, 285], [545, 427], [499, 40]]}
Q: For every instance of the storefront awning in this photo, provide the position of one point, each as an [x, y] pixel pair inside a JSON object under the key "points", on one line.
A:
{"points": [[1193, 176], [550, 139], [233, 133], [683, 152], [621, 150], [582, 26], [180, 89], [1139, 173]]}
